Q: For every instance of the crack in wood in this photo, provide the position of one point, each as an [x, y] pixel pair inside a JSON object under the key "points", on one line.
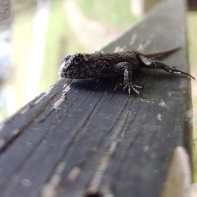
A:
{"points": [[104, 161]]}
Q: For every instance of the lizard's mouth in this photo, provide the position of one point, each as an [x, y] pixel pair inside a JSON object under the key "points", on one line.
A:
{"points": [[64, 71], [71, 74]]}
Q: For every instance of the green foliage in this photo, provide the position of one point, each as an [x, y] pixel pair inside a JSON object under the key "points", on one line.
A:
{"points": [[192, 27], [21, 43], [54, 36], [59, 41], [112, 12], [192, 32]]}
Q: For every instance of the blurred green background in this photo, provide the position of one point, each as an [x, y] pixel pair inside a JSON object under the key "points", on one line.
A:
{"points": [[72, 26], [43, 32]]}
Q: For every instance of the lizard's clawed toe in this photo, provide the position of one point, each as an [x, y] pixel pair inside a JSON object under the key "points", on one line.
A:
{"points": [[132, 88]]}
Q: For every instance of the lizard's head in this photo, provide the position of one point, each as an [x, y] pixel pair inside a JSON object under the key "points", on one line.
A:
{"points": [[73, 66]]}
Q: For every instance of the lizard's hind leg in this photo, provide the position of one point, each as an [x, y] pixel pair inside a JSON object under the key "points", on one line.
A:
{"points": [[149, 63], [173, 70]]}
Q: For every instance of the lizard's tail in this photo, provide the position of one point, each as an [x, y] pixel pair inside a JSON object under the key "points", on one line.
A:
{"points": [[162, 54]]}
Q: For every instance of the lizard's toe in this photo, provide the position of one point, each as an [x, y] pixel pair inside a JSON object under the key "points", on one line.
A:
{"points": [[132, 88], [138, 86]]}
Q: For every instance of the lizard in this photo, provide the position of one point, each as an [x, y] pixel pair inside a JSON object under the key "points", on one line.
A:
{"points": [[119, 65]]}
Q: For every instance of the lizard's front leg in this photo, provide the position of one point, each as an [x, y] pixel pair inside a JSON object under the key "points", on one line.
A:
{"points": [[128, 84]]}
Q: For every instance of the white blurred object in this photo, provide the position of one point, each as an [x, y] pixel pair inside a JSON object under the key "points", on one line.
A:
{"points": [[140, 7], [5, 55], [34, 66], [178, 182]]}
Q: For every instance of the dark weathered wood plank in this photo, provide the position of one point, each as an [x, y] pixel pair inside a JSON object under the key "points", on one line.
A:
{"points": [[97, 139]]}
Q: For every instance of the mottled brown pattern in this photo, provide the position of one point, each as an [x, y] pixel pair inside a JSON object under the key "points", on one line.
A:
{"points": [[113, 65]]}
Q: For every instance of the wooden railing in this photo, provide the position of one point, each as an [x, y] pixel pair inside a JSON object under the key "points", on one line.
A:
{"points": [[81, 140]]}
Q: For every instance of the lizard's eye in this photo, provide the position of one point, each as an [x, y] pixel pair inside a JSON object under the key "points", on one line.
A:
{"points": [[78, 58], [67, 58]]}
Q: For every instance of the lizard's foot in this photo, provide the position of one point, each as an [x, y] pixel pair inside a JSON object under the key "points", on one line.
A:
{"points": [[132, 88]]}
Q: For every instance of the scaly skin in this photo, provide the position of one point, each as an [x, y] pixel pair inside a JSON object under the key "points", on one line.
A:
{"points": [[116, 65]]}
